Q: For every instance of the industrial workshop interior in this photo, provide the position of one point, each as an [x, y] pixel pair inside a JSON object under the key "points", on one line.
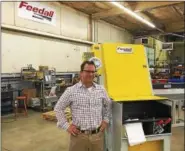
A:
{"points": [[137, 48]]}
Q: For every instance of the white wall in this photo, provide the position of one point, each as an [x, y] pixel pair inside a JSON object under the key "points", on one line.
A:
{"points": [[18, 50], [108, 33], [7, 13], [74, 24], [21, 49]]}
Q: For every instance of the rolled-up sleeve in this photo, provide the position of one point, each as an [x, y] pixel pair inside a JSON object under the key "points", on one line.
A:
{"points": [[60, 107], [106, 106]]}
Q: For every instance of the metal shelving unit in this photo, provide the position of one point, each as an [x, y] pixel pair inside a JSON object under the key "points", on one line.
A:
{"points": [[6, 101]]}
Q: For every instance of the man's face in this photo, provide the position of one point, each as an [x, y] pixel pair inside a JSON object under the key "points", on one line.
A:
{"points": [[88, 73]]}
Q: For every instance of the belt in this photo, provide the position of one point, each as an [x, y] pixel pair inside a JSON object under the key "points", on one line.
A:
{"points": [[90, 131]]}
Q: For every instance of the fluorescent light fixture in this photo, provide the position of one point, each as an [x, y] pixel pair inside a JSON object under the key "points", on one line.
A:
{"points": [[128, 11]]}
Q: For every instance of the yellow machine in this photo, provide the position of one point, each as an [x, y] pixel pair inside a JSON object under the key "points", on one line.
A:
{"points": [[124, 72]]}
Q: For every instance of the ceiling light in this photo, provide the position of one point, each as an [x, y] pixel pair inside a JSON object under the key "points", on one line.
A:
{"points": [[128, 11]]}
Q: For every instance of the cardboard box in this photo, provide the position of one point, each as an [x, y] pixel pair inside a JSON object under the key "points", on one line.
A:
{"points": [[30, 93]]}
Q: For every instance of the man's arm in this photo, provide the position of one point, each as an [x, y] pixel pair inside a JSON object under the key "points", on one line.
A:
{"points": [[60, 107], [106, 107]]}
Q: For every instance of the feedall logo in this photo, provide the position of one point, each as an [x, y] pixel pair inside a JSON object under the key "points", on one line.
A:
{"points": [[124, 50], [38, 12]]}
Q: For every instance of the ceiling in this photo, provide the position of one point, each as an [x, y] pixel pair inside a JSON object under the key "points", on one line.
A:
{"points": [[168, 16]]}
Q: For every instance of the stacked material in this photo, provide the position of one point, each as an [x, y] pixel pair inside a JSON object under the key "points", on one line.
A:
{"points": [[68, 114], [51, 115]]}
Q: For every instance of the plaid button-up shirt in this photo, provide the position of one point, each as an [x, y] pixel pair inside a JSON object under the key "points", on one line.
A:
{"points": [[88, 108]]}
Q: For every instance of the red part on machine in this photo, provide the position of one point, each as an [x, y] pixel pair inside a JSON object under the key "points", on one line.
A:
{"points": [[167, 121]]}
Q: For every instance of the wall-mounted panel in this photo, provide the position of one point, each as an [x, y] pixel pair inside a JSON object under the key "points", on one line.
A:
{"points": [[31, 7]]}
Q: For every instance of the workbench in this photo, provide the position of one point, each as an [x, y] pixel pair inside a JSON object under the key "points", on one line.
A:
{"points": [[176, 99], [7, 100]]}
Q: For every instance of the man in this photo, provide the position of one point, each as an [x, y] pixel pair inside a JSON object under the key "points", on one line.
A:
{"points": [[90, 108]]}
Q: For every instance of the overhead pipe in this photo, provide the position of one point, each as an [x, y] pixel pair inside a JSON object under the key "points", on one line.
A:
{"points": [[177, 35]]}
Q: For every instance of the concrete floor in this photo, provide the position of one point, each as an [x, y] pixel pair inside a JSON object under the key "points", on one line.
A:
{"points": [[36, 134]]}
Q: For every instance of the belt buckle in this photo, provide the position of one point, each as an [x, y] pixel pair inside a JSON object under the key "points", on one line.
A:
{"points": [[87, 132]]}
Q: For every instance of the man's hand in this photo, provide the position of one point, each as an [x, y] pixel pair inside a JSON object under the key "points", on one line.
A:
{"points": [[103, 126], [73, 130]]}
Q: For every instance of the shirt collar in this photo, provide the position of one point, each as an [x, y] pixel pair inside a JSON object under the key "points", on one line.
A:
{"points": [[80, 84]]}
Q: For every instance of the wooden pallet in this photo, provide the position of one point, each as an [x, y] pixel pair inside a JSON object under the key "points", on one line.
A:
{"points": [[51, 115], [68, 114]]}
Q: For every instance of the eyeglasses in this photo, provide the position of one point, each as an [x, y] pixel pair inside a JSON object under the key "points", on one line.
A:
{"points": [[88, 71]]}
